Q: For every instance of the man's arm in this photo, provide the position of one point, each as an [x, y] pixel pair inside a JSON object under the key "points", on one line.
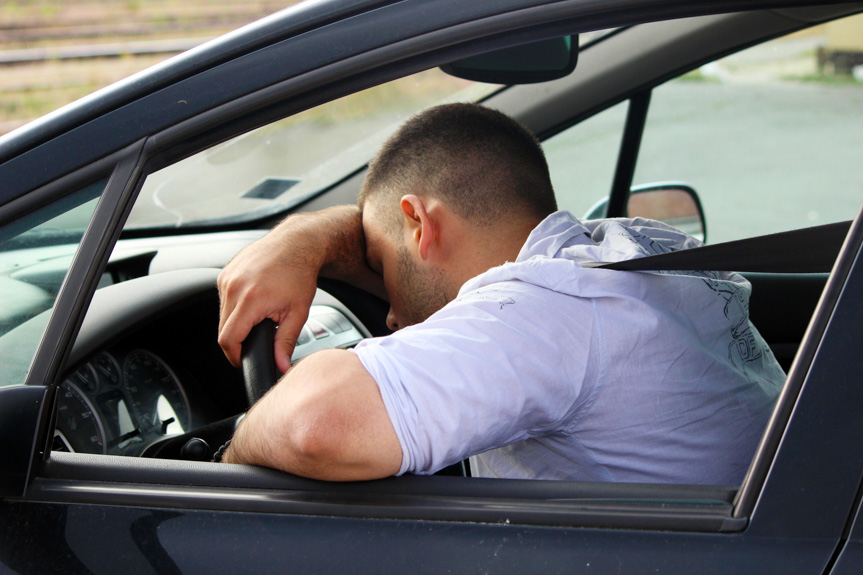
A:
{"points": [[276, 277], [325, 420]]}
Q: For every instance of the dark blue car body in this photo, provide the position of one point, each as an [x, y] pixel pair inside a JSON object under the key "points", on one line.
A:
{"points": [[798, 510]]}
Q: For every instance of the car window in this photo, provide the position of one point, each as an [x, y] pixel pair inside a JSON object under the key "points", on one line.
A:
{"points": [[768, 137], [282, 164], [36, 252], [582, 159]]}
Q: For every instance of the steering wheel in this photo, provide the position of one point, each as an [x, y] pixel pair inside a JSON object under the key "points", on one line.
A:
{"points": [[258, 360], [259, 375]]}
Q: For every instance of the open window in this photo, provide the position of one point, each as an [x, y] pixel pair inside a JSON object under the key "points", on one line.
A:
{"points": [[304, 162]]}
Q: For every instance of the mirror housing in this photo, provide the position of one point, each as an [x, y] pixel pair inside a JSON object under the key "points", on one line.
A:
{"points": [[673, 203], [22, 408], [524, 64]]}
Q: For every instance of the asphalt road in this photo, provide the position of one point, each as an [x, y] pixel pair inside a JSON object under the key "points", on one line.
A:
{"points": [[763, 157]]}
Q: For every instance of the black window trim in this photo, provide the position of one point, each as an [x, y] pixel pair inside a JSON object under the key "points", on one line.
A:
{"points": [[83, 276], [627, 159], [114, 480]]}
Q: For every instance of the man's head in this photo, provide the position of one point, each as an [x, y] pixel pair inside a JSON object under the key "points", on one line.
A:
{"points": [[452, 193], [480, 162]]}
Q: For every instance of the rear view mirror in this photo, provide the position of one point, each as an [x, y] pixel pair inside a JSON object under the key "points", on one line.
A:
{"points": [[525, 64], [673, 203]]}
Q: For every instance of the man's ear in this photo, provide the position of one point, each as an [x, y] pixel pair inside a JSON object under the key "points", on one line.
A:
{"points": [[419, 225]]}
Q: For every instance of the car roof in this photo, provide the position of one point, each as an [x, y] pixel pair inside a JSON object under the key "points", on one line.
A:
{"points": [[236, 71], [664, 50]]}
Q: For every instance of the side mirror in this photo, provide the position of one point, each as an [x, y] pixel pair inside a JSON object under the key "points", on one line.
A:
{"points": [[673, 203], [21, 409], [525, 64]]}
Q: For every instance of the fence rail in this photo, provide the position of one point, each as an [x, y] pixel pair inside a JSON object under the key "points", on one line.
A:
{"points": [[55, 51], [114, 50]]}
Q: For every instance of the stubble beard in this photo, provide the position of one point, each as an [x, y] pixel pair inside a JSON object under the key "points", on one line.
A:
{"points": [[421, 292]]}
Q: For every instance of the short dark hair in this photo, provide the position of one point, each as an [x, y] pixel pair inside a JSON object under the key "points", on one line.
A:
{"points": [[479, 161]]}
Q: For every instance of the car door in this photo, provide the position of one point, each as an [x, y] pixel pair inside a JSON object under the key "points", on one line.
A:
{"points": [[79, 513], [50, 241], [850, 557]]}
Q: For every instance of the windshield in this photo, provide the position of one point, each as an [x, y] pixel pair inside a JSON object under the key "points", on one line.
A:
{"points": [[36, 252], [280, 165]]}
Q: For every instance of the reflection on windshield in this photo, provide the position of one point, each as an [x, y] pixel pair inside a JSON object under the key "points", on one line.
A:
{"points": [[36, 252], [280, 165]]}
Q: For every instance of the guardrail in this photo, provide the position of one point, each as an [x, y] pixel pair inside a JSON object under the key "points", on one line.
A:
{"points": [[55, 51], [31, 55]]}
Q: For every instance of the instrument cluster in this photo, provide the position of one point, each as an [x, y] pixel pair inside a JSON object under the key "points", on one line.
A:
{"points": [[120, 403]]}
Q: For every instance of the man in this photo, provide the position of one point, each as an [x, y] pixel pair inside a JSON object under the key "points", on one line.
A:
{"points": [[507, 350]]}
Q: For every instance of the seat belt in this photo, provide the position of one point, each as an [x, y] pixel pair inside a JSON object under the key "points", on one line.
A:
{"points": [[809, 250]]}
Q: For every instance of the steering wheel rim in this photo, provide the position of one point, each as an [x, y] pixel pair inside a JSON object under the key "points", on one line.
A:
{"points": [[258, 361]]}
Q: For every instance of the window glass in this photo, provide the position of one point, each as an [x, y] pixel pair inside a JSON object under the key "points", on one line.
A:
{"points": [[275, 167], [582, 159], [768, 137], [36, 252]]}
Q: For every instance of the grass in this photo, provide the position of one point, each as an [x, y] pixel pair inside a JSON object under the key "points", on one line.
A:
{"points": [[33, 90], [698, 76], [827, 79], [30, 90]]}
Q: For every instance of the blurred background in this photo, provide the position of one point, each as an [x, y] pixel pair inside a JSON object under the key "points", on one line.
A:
{"points": [[53, 52]]}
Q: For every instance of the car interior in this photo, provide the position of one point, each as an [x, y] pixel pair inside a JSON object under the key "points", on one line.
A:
{"points": [[148, 395]]}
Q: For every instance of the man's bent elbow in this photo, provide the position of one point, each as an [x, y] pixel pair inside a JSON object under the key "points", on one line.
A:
{"points": [[325, 420], [318, 452]]}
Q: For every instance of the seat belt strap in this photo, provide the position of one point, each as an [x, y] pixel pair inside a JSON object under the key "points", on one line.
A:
{"points": [[810, 250]]}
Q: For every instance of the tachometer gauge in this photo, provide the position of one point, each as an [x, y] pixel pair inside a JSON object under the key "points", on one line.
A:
{"points": [[86, 379], [158, 401], [78, 427], [107, 369]]}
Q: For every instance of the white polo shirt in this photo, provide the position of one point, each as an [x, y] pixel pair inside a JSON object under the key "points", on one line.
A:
{"points": [[543, 369]]}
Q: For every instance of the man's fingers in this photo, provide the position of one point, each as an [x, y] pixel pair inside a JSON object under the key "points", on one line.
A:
{"points": [[286, 338], [232, 332], [225, 310], [227, 305], [236, 327], [283, 350]]}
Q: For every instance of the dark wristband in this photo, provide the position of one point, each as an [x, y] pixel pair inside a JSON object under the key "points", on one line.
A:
{"points": [[217, 457]]}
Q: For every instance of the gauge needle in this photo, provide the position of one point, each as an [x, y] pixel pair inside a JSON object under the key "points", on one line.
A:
{"points": [[166, 423], [124, 437]]}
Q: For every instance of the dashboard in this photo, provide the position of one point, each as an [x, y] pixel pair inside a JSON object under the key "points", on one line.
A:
{"points": [[122, 399], [146, 365]]}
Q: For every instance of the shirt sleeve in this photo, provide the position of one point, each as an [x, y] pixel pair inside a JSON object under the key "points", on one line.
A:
{"points": [[486, 371]]}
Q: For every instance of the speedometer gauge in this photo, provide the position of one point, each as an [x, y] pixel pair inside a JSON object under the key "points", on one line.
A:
{"points": [[78, 427], [158, 401]]}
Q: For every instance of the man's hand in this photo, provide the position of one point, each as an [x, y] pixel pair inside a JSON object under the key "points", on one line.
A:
{"points": [[276, 277]]}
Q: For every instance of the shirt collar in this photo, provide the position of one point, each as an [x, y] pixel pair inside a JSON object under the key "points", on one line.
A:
{"points": [[557, 231]]}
